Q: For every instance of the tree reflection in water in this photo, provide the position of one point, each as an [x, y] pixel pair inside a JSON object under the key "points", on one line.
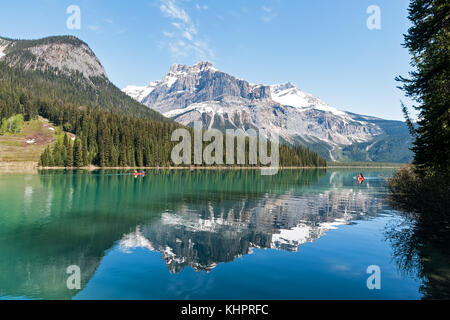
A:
{"points": [[416, 255]]}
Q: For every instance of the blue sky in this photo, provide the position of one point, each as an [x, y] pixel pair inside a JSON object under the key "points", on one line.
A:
{"points": [[323, 46]]}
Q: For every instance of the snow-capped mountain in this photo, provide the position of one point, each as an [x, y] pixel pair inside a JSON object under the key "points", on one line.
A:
{"points": [[202, 93]]}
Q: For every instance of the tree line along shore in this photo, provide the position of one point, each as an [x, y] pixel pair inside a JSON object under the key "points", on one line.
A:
{"points": [[422, 189]]}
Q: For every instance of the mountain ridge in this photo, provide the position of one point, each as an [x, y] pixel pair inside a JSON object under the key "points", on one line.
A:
{"points": [[44, 78], [203, 93], [69, 67], [65, 54]]}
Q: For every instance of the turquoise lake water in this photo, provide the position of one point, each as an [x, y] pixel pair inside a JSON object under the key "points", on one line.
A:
{"points": [[302, 234]]}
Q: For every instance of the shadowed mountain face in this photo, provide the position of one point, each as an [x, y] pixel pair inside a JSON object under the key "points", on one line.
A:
{"points": [[221, 101], [194, 219]]}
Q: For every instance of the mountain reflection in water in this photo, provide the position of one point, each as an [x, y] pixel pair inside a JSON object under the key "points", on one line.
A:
{"points": [[195, 219], [204, 233]]}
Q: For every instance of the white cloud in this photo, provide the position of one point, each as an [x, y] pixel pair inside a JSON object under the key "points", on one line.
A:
{"points": [[201, 7], [267, 14], [168, 34], [183, 41], [187, 35], [170, 9], [94, 28]]}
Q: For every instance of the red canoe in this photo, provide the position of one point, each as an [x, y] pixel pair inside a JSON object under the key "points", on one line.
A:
{"points": [[139, 174]]}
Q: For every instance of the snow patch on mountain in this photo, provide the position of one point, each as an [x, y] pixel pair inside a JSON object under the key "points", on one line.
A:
{"points": [[3, 45], [134, 240], [303, 233], [170, 81], [290, 95], [138, 93], [206, 107]]}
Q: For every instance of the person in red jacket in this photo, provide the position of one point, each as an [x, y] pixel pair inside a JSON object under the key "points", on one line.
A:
{"points": [[360, 178]]}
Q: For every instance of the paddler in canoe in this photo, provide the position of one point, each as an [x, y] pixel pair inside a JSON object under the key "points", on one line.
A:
{"points": [[142, 173], [360, 178]]}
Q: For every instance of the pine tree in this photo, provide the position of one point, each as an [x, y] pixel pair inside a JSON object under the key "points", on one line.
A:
{"points": [[68, 160], [85, 160], [428, 42], [45, 160], [77, 154], [57, 155]]}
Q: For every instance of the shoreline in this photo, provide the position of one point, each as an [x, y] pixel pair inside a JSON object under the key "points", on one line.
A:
{"points": [[94, 168], [32, 167]]}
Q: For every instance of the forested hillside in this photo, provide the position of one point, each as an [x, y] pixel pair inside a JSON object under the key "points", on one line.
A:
{"points": [[61, 79], [99, 93], [105, 136]]}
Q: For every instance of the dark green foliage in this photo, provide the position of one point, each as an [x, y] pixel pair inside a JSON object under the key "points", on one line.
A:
{"points": [[417, 194], [68, 152], [300, 156], [422, 191], [106, 139], [428, 41], [78, 154], [46, 158], [97, 93]]}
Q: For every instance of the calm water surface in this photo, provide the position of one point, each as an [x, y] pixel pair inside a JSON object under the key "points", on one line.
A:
{"points": [[302, 234]]}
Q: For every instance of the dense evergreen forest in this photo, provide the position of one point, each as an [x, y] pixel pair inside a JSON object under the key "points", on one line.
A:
{"points": [[428, 42], [423, 188], [97, 93], [110, 130]]}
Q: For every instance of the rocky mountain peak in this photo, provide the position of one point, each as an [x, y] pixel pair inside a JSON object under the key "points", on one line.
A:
{"points": [[61, 54], [283, 86], [204, 65], [202, 93], [199, 67], [184, 85], [177, 68]]}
